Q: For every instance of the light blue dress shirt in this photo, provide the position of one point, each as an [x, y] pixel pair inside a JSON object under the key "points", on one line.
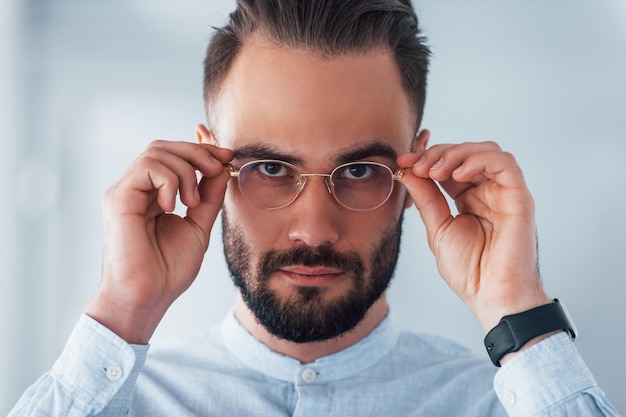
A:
{"points": [[227, 372]]}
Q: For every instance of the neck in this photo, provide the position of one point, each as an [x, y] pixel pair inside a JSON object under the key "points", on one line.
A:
{"points": [[309, 352]]}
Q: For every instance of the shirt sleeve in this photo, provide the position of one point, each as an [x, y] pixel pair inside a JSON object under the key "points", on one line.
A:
{"points": [[94, 376], [550, 379]]}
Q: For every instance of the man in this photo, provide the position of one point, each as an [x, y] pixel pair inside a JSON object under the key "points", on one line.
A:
{"points": [[313, 154]]}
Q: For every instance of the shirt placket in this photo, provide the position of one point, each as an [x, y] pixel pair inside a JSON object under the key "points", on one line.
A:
{"points": [[313, 393]]}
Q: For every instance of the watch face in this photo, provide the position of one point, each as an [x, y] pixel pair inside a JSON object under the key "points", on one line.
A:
{"points": [[572, 331]]}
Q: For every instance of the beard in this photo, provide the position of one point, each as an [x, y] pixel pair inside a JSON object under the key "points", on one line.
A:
{"points": [[306, 316]]}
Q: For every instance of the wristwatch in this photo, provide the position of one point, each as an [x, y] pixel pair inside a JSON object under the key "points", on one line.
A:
{"points": [[516, 330]]}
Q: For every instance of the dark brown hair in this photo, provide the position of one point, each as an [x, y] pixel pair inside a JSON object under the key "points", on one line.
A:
{"points": [[329, 28]]}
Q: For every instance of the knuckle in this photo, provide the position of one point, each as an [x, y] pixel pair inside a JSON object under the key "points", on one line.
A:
{"points": [[157, 143], [111, 198], [153, 152], [146, 159], [448, 153], [107, 196], [509, 158], [144, 163], [493, 145]]}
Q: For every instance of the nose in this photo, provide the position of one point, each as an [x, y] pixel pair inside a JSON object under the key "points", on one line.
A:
{"points": [[315, 215]]}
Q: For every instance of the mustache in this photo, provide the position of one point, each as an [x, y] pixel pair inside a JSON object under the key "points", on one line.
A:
{"points": [[310, 256]]}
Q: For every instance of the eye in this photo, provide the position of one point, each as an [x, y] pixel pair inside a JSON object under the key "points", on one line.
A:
{"points": [[357, 171], [273, 169]]}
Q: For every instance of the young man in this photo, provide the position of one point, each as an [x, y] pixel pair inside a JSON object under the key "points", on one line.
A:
{"points": [[313, 154]]}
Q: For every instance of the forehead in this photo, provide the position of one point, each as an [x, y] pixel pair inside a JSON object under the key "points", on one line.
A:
{"points": [[311, 106]]}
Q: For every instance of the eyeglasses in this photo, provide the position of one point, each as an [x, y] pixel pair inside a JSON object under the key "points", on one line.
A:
{"points": [[359, 186]]}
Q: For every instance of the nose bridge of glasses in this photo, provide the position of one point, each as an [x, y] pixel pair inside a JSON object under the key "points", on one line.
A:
{"points": [[327, 181]]}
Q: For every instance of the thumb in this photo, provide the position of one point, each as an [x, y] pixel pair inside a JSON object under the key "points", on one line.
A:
{"points": [[212, 190], [429, 201]]}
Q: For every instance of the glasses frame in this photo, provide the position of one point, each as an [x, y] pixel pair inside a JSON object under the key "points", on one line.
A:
{"points": [[395, 176]]}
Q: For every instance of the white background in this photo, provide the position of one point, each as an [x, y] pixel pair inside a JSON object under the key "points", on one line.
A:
{"points": [[86, 85]]}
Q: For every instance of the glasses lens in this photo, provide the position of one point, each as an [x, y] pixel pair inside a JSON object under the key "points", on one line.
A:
{"points": [[269, 184], [362, 185]]}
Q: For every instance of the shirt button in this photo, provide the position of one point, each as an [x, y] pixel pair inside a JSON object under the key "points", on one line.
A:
{"points": [[509, 399], [309, 375], [114, 373]]}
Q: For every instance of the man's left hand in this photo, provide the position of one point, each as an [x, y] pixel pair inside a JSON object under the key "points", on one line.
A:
{"points": [[487, 253]]}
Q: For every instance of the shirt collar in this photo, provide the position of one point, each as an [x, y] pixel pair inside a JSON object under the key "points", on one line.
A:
{"points": [[342, 364]]}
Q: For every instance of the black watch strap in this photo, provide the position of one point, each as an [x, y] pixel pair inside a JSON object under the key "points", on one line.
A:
{"points": [[516, 330]]}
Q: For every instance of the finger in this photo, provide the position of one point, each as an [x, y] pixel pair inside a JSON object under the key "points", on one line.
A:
{"points": [[206, 158], [146, 182], [500, 167], [416, 163], [430, 202], [504, 190], [439, 161], [224, 155], [407, 160], [418, 147], [460, 167], [212, 191], [185, 158], [184, 171]]}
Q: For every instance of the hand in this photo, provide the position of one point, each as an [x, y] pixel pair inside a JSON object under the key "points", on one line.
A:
{"points": [[487, 254], [150, 255]]}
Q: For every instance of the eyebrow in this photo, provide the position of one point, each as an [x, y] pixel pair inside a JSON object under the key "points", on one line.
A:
{"points": [[356, 153], [367, 150], [258, 151]]}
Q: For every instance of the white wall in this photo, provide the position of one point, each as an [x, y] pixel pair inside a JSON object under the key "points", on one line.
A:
{"points": [[9, 12], [87, 85]]}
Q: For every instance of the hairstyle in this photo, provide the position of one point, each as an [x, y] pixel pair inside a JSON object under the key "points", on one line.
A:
{"points": [[329, 28]]}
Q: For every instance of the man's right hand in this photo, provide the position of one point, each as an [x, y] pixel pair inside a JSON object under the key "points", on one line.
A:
{"points": [[152, 256]]}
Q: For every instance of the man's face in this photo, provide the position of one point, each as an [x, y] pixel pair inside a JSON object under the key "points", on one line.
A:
{"points": [[311, 270]]}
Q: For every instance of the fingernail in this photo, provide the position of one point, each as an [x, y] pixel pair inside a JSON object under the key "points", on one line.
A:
{"points": [[421, 160], [196, 193], [437, 164]]}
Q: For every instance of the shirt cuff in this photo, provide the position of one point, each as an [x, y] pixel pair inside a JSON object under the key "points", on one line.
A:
{"points": [[541, 376], [99, 367]]}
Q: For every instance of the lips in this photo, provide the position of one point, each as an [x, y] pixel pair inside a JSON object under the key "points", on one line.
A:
{"points": [[311, 276]]}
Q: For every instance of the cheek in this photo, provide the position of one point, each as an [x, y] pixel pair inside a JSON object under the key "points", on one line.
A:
{"points": [[259, 226], [368, 230], [399, 196], [392, 213]]}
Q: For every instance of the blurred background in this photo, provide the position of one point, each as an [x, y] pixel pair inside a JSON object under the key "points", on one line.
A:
{"points": [[86, 85]]}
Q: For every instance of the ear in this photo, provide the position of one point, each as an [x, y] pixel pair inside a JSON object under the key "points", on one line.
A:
{"points": [[420, 142], [204, 135]]}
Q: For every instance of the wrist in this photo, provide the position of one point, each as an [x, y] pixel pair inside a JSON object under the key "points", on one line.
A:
{"points": [[489, 313], [134, 325], [528, 344], [520, 331]]}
